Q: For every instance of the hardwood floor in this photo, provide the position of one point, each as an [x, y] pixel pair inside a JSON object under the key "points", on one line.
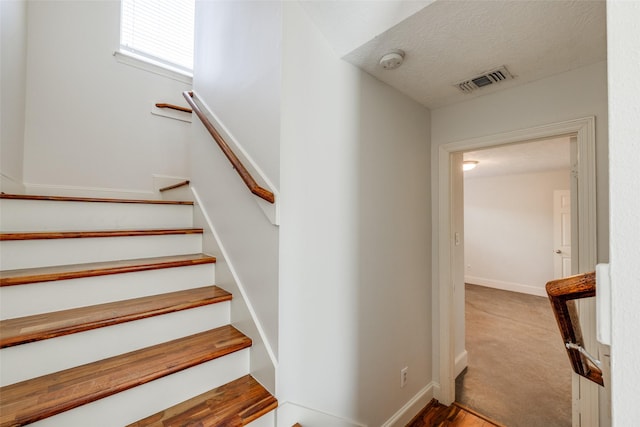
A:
{"points": [[436, 414]]}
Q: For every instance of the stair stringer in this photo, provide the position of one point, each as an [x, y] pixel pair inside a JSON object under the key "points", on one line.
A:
{"points": [[263, 362]]}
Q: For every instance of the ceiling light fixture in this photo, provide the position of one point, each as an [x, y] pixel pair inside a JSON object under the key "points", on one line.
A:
{"points": [[467, 165], [392, 59]]}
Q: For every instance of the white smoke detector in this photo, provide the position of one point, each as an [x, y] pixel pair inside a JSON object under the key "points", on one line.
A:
{"points": [[392, 60]]}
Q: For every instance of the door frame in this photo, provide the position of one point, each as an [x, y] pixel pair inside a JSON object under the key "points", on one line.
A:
{"points": [[584, 170]]}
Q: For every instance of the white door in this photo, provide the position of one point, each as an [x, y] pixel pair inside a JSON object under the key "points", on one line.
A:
{"points": [[562, 233]]}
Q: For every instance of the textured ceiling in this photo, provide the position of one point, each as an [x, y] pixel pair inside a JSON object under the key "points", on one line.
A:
{"points": [[447, 41], [529, 157]]}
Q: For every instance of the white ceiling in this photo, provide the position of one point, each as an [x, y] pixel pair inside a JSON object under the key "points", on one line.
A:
{"points": [[528, 157], [447, 41]]}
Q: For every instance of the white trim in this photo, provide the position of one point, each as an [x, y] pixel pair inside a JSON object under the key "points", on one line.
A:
{"points": [[412, 407], [76, 191], [170, 113], [236, 278], [443, 289], [147, 64], [289, 413], [506, 286], [271, 210], [461, 362], [266, 420]]}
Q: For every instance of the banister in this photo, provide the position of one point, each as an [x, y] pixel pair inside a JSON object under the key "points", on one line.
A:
{"points": [[173, 107], [562, 295], [235, 162]]}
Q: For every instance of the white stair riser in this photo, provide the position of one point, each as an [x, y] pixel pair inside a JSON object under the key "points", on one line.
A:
{"points": [[267, 420], [19, 363], [37, 298], [33, 215], [139, 402], [16, 254]]}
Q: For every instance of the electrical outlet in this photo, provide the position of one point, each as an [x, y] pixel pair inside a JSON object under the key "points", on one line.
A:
{"points": [[404, 372]]}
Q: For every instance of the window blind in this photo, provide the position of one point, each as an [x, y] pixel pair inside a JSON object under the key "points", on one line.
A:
{"points": [[160, 30]]}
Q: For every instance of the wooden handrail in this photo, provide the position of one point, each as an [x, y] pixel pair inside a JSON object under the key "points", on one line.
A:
{"points": [[235, 162], [174, 107], [171, 187], [562, 295]]}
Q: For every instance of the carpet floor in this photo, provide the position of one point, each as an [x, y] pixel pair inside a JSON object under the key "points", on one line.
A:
{"points": [[518, 372]]}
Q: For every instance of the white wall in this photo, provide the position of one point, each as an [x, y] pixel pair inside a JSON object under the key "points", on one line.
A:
{"points": [[508, 225], [354, 238], [624, 110], [13, 25], [347, 25], [237, 74], [574, 94], [88, 120]]}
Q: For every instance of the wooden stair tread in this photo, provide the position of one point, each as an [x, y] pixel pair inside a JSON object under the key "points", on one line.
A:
{"points": [[35, 399], [233, 404], [93, 234], [50, 325], [75, 271], [91, 199]]}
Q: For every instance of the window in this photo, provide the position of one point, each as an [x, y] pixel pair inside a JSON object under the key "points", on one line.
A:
{"points": [[159, 31]]}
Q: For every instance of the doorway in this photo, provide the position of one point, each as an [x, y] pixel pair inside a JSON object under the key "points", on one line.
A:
{"points": [[510, 340], [447, 255]]}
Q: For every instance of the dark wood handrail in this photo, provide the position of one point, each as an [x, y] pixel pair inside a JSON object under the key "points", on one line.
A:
{"points": [[174, 107], [171, 187], [235, 162], [562, 295]]}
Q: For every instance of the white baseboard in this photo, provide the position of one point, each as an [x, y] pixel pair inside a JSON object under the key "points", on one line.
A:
{"points": [[159, 181], [10, 185], [290, 413], [76, 191], [171, 114], [506, 286], [412, 407], [462, 360]]}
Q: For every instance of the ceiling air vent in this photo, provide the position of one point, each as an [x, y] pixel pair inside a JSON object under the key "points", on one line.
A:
{"points": [[485, 79]]}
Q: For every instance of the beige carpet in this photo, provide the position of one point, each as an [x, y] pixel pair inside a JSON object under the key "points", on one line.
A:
{"points": [[518, 371]]}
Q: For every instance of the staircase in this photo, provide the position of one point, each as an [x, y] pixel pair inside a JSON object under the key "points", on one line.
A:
{"points": [[109, 317]]}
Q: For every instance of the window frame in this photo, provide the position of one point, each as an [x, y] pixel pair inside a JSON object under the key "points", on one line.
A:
{"points": [[149, 62]]}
